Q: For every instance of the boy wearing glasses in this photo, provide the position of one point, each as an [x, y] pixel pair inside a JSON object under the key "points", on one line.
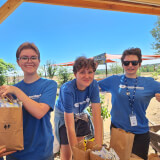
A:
{"points": [[38, 97], [130, 98]]}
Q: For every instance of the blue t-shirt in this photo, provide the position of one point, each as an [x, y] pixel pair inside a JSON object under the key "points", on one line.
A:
{"points": [[72, 100], [38, 136], [146, 89]]}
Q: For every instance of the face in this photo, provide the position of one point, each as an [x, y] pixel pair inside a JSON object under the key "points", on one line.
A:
{"points": [[28, 61], [84, 78], [131, 69]]}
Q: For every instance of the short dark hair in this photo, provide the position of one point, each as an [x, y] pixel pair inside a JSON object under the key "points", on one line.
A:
{"points": [[83, 62], [132, 51], [27, 45]]}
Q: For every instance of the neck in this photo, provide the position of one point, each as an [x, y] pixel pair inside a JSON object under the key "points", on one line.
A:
{"points": [[80, 88], [31, 78], [131, 76]]}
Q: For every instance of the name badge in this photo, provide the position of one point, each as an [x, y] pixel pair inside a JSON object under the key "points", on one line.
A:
{"points": [[133, 120]]}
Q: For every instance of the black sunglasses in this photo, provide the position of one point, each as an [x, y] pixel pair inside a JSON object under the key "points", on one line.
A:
{"points": [[134, 63]]}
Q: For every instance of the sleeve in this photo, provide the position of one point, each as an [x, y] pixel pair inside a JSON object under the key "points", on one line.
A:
{"points": [[106, 83], [156, 87], [49, 94], [67, 101], [95, 98]]}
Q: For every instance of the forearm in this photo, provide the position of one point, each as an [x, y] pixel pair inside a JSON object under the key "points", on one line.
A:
{"points": [[98, 131], [36, 109], [72, 136], [70, 127], [96, 112]]}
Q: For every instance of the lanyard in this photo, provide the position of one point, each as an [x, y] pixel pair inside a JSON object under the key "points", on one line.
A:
{"points": [[131, 100]]}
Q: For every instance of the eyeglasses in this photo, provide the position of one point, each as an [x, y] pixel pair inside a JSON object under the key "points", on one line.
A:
{"points": [[26, 59], [134, 63]]}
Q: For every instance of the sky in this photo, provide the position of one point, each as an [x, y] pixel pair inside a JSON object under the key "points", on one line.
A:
{"points": [[64, 33]]}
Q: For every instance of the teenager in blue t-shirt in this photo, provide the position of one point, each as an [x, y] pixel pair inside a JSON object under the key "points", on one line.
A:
{"points": [[38, 99], [71, 123], [131, 95]]}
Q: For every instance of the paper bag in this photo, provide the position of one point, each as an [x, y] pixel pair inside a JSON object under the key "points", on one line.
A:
{"points": [[153, 156], [135, 157], [11, 128], [122, 142], [95, 157], [79, 154], [82, 151]]}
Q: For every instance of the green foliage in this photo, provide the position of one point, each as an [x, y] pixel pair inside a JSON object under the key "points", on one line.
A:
{"points": [[51, 69], [156, 35], [63, 75], [147, 68], [4, 67], [155, 75], [14, 78], [100, 71], [2, 79], [115, 68], [139, 72], [104, 108], [42, 71], [156, 72]]}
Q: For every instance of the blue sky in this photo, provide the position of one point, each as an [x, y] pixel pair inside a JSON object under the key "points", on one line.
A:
{"points": [[64, 33]]}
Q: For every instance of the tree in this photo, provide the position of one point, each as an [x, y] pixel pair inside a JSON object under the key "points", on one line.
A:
{"points": [[156, 34], [51, 69], [63, 75], [115, 68], [42, 71], [4, 67]]}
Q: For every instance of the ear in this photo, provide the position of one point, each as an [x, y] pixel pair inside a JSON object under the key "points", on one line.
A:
{"points": [[75, 74], [139, 64]]}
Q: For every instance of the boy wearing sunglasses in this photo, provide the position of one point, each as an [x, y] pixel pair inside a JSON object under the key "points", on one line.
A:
{"points": [[130, 98]]}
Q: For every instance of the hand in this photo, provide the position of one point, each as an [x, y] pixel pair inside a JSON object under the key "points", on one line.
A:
{"points": [[157, 95], [4, 153], [6, 89]]}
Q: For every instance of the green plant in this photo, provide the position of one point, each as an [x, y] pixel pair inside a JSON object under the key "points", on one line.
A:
{"points": [[4, 68], [2, 79], [115, 68], [63, 75], [139, 72], [51, 69], [155, 75], [104, 108]]}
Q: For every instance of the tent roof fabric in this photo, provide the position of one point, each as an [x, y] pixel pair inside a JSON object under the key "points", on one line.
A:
{"points": [[111, 57]]}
